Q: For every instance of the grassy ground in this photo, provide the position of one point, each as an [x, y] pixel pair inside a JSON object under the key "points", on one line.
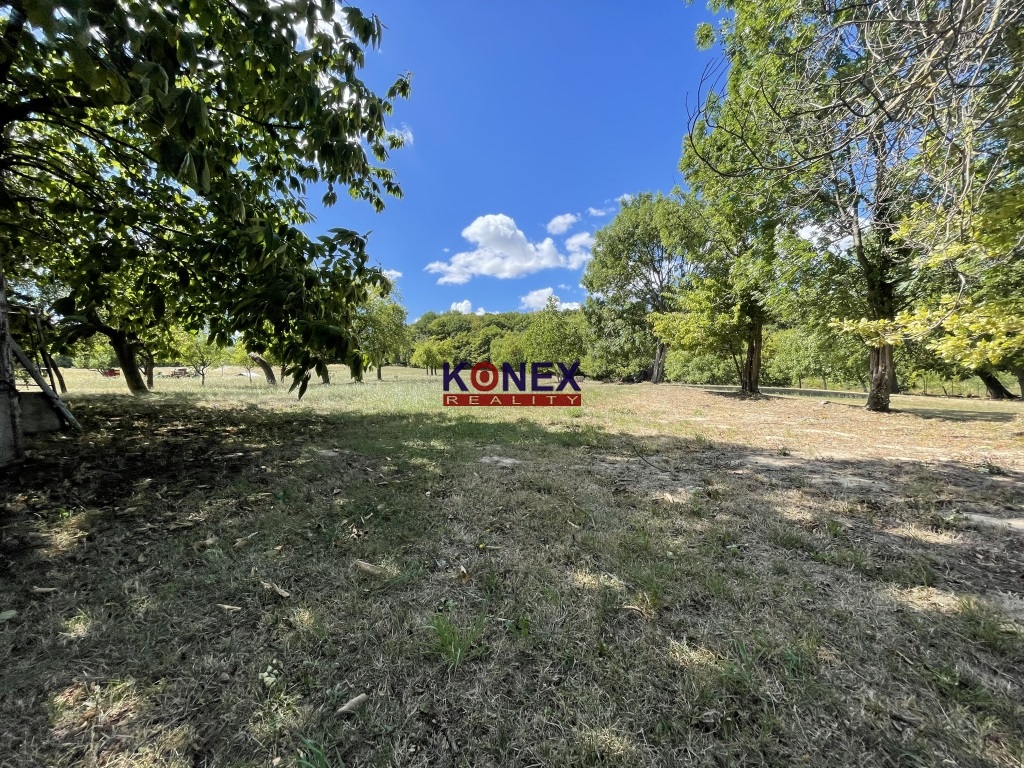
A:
{"points": [[661, 577]]}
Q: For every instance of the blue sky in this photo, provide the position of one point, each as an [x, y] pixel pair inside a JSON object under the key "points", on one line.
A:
{"points": [[528, 120]]}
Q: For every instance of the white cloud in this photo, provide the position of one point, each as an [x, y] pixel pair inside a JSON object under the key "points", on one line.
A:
{"points": [[538, 299], [565, 287], [446, 250], [535, 300], [502, 250], [392, 274], [466, 308], [625, 199], [562, 223], [579, 246], [599, 211], [404, 132]]}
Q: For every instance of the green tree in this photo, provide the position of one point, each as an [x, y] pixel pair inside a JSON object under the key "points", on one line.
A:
{"points": [[110, 111], [860, 114], [93, 352], [731, 248], [432, 354], [635, 267], [239, 356], [197, 351], [554, 335], [508, 348], [383, 335]]}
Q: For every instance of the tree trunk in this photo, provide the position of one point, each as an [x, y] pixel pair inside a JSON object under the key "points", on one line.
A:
{"points": [[53, 372], [379, 376], [12, 441], [658, 368], [894, 383], [60, 378], [264, 366], [750, 379], [996, 390], [326, 377], [148, 363], [879, 361], [1019, 375], [125, 351]]}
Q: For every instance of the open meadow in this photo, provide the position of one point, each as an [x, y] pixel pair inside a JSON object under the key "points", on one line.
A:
{"points": [[662, 577]]}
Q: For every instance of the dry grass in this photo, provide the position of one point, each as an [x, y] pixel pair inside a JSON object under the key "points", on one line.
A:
{"points": [[663, 577]]}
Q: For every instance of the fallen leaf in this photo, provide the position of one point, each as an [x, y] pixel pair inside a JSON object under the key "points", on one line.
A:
{"points": [[43, 590], [231, 608], [369, 568], [7, 615], [240, 542], [353, 704], [710, 718], [272, 586]]}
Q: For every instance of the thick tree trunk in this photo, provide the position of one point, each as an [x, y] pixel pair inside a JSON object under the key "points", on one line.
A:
{"points": [[995, 388], [326, 377], [894, 383], [879, 361], [125, 351], [264, 366], [750, 378], [12, 441], [379, 375], [658, 368]]}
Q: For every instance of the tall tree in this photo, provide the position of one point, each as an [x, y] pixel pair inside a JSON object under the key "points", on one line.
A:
{"points": [[553, 335], [239, 103], [864, 110], [634, 269], [383, 335]]}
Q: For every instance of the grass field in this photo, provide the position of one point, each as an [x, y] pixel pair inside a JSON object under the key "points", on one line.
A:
{"points": [[661, 577]]}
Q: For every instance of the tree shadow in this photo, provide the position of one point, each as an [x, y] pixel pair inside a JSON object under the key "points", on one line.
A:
{"points": [[959, 415], [660, 599]]}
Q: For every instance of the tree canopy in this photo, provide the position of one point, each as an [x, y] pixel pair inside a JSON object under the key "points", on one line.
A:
{"points": [[155, 162]]}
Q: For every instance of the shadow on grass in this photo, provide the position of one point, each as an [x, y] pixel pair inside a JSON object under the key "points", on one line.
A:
{"points": [[183, 586], [952, 414]]}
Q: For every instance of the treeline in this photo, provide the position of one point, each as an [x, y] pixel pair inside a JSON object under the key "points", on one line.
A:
{"points": [[851, 208], [549, 335]]}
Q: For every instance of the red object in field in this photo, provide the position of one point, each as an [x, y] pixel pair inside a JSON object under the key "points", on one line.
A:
{"points": [[110, 373]]}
